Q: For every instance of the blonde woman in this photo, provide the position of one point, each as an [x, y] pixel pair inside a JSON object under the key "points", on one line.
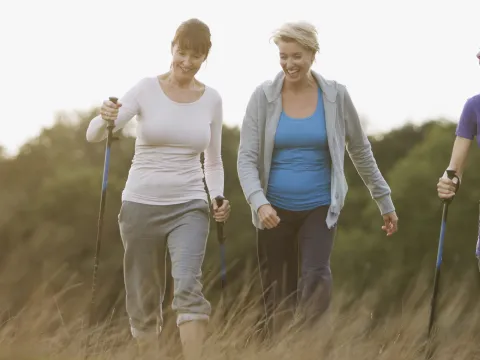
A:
{"points": [[291, 169]]}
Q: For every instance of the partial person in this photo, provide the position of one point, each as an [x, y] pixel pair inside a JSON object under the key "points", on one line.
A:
{"points": [[164, 202], [291, 169], [467, 129]]}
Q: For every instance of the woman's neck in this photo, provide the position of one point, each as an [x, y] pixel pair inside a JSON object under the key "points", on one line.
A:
{"points": [[182, 84], [308, 82]]}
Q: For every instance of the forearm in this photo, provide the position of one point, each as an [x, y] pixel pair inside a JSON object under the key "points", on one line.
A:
{"points": [[213, 164], [249, 152], [97, 129], [214, 176], [360, 151], [459, 155], [250, 182], [368, 170], [247, 165]]}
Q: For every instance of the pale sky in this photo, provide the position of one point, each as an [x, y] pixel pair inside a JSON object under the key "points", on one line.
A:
{"points": [[401, 60]]}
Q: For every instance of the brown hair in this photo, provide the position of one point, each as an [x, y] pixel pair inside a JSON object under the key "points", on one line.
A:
{"points": [[193, 34]]}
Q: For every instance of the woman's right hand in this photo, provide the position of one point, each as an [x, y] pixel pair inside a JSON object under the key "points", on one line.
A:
{"points": [[446, 187], [268, 216], [109, 110]]}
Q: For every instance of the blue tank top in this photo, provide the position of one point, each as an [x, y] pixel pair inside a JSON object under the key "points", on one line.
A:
{"points": [[301, 164]]}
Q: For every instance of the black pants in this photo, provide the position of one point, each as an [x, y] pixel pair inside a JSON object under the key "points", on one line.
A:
{"points": [[294, 260]]}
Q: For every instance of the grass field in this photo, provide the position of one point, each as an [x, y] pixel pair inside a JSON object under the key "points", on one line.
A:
{"points": [[40, 331]]}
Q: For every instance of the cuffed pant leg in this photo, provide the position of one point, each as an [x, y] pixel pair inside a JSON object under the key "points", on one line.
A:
{"points": [[187, 242]]}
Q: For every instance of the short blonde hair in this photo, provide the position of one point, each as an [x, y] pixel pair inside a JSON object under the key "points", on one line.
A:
{"points": [[302, 32]]}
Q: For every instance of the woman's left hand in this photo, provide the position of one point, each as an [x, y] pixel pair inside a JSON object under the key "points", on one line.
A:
{"points": [[390, 223], [222, 213]]}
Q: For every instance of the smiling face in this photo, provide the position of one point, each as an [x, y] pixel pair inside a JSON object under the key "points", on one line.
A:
{"points": [[186, 62], [190, 48], [295, 60]]}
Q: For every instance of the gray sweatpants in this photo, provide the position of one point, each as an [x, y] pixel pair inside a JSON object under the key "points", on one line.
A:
{"points": [[147, 232]]}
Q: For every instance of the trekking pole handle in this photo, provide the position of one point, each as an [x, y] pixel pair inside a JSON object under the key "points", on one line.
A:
{"points": [[219, 201], [114, 100], [111, 123], [452, 174]]}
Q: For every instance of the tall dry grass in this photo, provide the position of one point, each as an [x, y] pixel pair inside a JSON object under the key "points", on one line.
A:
{"points": [[352, 329]]}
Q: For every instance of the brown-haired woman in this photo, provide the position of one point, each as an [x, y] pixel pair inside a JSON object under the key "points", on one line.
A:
{"points": [[164, 203]]}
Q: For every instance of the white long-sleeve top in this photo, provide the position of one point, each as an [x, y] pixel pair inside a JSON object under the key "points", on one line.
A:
{"points": [[170, 137]]}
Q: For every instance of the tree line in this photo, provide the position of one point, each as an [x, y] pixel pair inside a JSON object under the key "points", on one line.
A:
{"points": [[50, 195]]}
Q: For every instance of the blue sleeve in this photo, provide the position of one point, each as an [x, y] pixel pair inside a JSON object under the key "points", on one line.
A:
{"points": [[467, 126]]}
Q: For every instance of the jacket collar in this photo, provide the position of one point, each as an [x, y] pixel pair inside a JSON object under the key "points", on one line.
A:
{"points": [[273, 89]]}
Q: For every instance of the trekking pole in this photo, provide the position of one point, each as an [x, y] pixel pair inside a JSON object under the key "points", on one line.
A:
{"points": [[478, 238], [221, 239], [103, 198], [446, 202]]}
